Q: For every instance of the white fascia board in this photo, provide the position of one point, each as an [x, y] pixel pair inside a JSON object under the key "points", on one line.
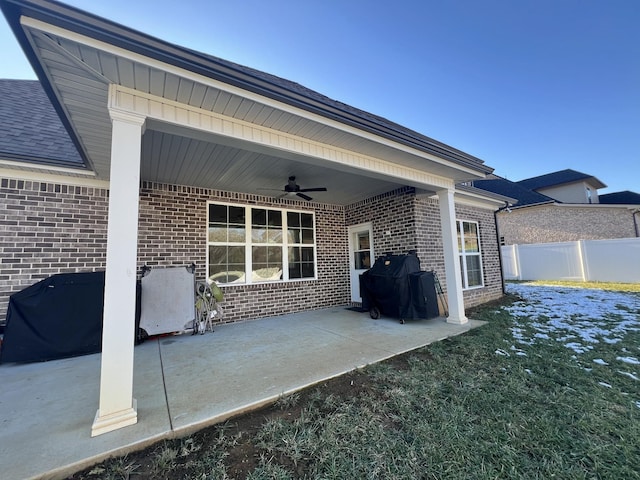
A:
{"points": [[63, 176], [90, 42], [124, 99]]}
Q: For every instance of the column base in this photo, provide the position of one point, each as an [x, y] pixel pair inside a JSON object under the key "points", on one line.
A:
{"points": [[114, 421], [457, 320]]}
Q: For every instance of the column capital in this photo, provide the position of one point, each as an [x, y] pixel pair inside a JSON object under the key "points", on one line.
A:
{"points": [[119, 114]]}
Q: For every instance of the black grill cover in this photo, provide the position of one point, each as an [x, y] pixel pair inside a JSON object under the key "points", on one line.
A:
{"points": [[423, 294], [386, 285], [58, 317]]}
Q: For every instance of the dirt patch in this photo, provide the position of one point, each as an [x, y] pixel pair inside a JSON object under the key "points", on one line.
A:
{"points": [[235, 439]]}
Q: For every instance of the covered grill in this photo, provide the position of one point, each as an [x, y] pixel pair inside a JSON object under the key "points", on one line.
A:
{"points": [[395, 286]]}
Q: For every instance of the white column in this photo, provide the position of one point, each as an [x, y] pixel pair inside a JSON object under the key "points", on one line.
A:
{"points": [[117, 406], [451, 257]]}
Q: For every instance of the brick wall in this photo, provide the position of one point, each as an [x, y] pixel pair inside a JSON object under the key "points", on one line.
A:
{"points": [[552, 223], [490, 255], [46, 229], [173, 231], [414, 223], [52, 228], [393, 220]]}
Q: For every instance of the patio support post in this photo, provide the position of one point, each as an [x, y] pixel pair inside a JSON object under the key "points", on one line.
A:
{"points": [[451, 257], [117, 406]]}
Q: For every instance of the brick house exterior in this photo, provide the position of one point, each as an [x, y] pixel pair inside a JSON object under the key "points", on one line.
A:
{"points": [[50, 228], [173, 150], [553, 222], [562, 206]]}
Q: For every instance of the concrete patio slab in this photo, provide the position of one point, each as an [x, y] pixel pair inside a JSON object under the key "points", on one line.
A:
{"points": [[183, 383]]}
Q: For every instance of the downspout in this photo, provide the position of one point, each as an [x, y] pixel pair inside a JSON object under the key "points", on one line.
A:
{"points": [[495, 220], [635, 221]]}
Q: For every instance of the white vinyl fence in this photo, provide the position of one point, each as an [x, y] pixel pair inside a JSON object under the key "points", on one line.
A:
{"points": [[586, 260]]}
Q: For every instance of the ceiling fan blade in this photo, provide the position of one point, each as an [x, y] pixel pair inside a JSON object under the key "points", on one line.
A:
{"points": [[302, 195], [318, 189]]}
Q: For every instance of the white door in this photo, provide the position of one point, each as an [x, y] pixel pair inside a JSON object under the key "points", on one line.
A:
{"points": [[360, 255]]}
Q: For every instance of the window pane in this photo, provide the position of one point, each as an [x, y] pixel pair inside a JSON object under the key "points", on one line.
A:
{"points": [[258, 217], [236, 255], [307, 254], [218, 273], [259, 235], [470, 229], [459, 237], [217, 213], [274, 255], [236, 235], [293, 235], [274, 236], [307, 236], [462, 275], [293, 219], [306, 220], [218, 233], [295, 271], [275, 218], [218, 255], [307, 270], [236, 215], [226, 264], [362, 241], [363, 260], [294, 254], [471, 244], [474, 275], [267, 264]]}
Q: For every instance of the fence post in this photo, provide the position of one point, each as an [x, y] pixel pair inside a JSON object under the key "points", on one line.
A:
{"points": [[516, 261], [584, 264]]}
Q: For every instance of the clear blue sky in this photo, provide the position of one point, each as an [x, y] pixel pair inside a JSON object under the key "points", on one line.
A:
{"points": [[529, 86]]}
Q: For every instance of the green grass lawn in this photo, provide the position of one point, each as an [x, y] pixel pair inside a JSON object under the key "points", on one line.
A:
{"points": [[478, 406], [610, 286]]}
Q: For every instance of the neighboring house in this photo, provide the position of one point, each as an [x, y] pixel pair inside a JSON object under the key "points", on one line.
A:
{"points": [[185, 157], [560, 207], [565, 186]]}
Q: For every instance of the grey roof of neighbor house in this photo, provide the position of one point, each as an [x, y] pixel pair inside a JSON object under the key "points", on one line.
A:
{"points": [[231, 73], [561, 177], [30, 129], [625, 197], [507, 188]]}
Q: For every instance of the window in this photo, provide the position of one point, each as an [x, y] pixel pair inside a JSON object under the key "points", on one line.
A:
{"points": [[470, 255], [255, 245]]}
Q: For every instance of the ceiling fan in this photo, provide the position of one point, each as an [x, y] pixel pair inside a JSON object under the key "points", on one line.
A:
{"points": [[293, 187]]}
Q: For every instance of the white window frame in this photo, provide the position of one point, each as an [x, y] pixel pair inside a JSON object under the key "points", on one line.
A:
{"points": [[463, 255], [248, 244]]}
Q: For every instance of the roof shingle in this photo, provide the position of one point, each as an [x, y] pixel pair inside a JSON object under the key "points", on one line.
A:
{"points": [[30, 129], [625, 197], [561, 177]]}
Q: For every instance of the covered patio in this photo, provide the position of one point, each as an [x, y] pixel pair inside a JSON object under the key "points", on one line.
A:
{"points": [[164, 133], [184, 383]]}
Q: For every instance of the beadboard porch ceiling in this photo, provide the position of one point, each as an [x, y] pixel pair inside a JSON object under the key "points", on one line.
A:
{"points": [[79, 70]]}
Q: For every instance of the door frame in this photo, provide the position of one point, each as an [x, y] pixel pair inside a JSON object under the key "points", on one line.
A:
{"points": [[354, 274]]}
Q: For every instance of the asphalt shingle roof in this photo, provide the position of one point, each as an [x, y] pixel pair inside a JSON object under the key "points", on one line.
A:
{"points": [[505, 187], [561, 177], [625, 197], [30, 129]]}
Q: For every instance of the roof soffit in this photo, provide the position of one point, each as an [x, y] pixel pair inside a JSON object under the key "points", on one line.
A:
{"points": [[107, 63]]}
